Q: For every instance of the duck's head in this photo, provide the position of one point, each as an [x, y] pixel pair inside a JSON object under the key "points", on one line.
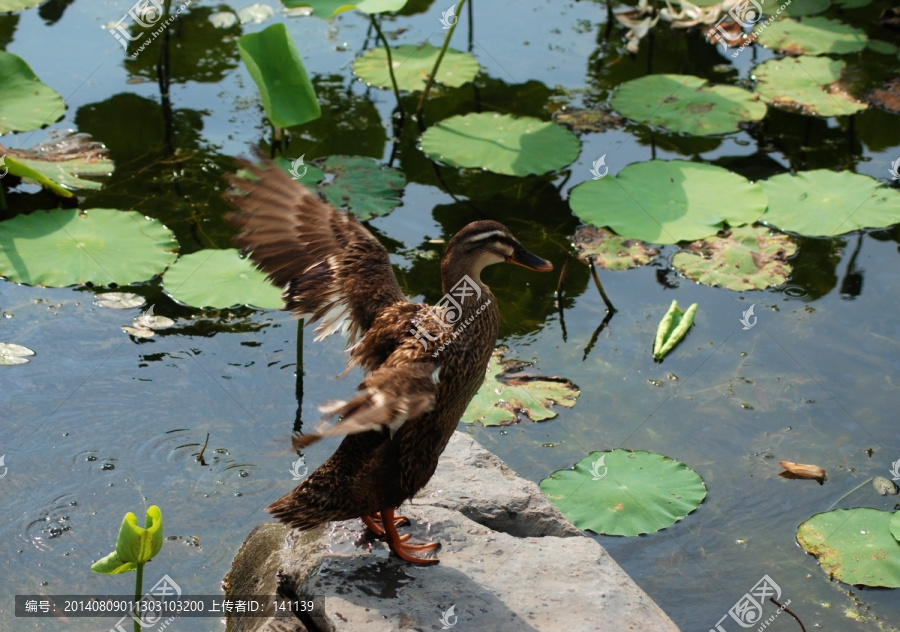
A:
{"points": [[485, 243]]}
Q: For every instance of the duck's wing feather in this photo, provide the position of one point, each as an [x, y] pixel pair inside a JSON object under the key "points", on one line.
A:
{"points": [[387, 398], [330, 267]]}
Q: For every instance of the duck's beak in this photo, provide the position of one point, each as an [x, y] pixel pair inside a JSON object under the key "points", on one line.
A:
{"points": [[522, 257]]}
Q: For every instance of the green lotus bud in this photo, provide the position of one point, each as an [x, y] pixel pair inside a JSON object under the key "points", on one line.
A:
{"points": [[135, 545]]}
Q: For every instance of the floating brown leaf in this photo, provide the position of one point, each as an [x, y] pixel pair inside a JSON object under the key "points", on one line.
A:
{"points": [[803, 470]]}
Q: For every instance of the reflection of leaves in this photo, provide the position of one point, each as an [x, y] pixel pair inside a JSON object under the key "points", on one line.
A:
{"points": [[639, 492], [855, 546], [509, 391], [744, 258]]}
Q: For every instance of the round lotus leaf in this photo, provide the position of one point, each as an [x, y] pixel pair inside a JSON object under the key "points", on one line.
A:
{"points": [[664, 202], [895, 521], [624, 492], [813, 36], [807, 83], [687, 104], [744, 258], [854, 545], [219, 278], [25, 102], [363, 185], [412, 65], [99, 246], [610, 251], [501, 143], [823, 203]]}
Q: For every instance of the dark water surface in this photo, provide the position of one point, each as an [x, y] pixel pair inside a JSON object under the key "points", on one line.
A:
{"points": [[98, 424]]}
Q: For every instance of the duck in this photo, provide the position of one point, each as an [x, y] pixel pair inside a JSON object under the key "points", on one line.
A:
{"points": [[422, 364]]}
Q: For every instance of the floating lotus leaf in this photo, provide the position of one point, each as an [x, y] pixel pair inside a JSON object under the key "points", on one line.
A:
{"points": [[796, 9], [68, 247], [745, 258], [825, 203], [664, 202], [895, 521], [610, 251], [855, 546], [330, 8], [813, 36], [672, 329], [61, 161], [501, 143], [12, 354], [585, 120], [412, 65], [363, 185], [687, 104], [624, 492], [7, 6], [25, 102], [119, 300], [284, 87], [811, 85], [510, 391], [219, 278]]}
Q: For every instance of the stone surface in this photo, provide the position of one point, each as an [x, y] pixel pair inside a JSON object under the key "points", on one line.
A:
{"points": [[509, 562]]}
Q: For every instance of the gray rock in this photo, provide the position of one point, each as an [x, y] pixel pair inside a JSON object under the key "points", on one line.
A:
{"points": [[509, 562]]}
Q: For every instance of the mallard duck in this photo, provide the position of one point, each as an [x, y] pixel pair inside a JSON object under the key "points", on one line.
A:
{"points": [[423, 364]]}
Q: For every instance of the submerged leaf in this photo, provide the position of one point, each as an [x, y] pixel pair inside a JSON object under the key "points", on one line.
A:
{"points": [[803, 470], [624, 492], [856, 546], [672, 328], [12, 354], [509, 391]]}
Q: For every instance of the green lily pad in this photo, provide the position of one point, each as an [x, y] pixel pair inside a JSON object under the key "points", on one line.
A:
{"points": [[813, 36], [501, 143], [687, 104], [825, 203], [219, 278], [882, 47], [286, 92], [624, 492], [413, 65], [509, 391], [12, 354], [672, 329], [363, 186], [61, 162], [25, 102], [855, 546], [809, 84], [796, 9], [895, 523], [664, 202], [330, 8], [744, 258], [610, 251], [67, 247], [8, 6]]}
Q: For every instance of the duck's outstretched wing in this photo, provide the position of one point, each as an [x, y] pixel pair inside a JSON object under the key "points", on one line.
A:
{"points": [[388, 398], [330, 267]]}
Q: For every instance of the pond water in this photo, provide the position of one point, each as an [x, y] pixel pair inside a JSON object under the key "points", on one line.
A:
{"points": [[97, 423]]}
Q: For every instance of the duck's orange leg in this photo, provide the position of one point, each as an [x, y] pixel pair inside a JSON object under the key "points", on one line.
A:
{"points": [[399, 521], [374, 523], [397, 542]]}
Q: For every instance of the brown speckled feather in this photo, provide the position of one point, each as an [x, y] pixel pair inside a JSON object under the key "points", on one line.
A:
{"points": [[423, 364]]}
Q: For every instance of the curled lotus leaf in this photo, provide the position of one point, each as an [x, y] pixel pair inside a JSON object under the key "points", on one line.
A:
{"points": [[610, 251], [672, 329], [511, 390], [743, 258]]}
